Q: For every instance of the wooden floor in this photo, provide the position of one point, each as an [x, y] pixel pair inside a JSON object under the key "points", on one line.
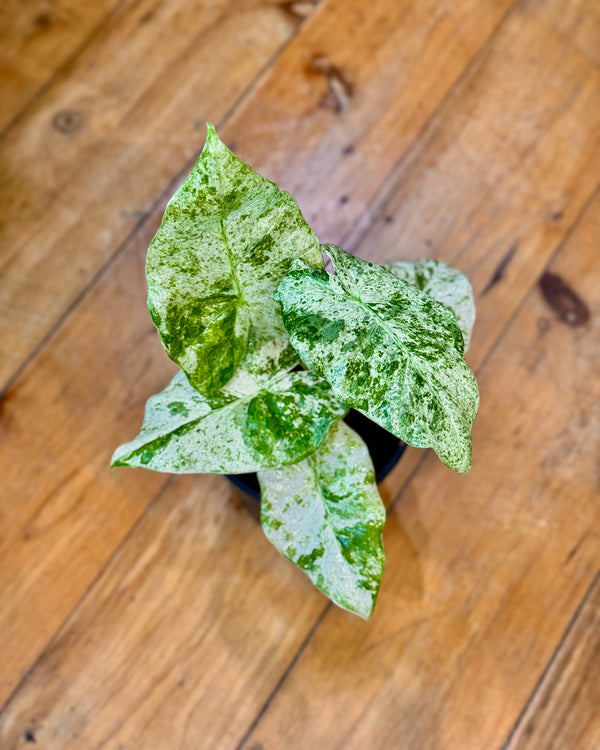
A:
{"points": [[142, 612]]}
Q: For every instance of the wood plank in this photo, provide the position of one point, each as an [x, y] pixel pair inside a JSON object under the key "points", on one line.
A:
{"points": [[171, 648], [398, 62], [154, 707], [66, 503], [579, 27], [72, 512], [564, 711], [143, 687], [88, 161], [74, 405], [36, 40], [496, 179], [483, 571], [134, 115]]}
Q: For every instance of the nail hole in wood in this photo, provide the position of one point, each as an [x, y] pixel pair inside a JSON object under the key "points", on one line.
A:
{"points": [[67, 121]]}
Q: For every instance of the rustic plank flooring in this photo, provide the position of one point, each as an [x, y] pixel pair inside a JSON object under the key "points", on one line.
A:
{"points": [[142, 612]]}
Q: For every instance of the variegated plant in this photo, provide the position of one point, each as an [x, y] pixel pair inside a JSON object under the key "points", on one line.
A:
{"points": [[274, 350]]}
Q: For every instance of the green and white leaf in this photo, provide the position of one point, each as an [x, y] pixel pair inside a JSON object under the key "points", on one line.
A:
{"points": [[325, 515], [387, 349], [279, 423], [443, 283], [227, 238]]}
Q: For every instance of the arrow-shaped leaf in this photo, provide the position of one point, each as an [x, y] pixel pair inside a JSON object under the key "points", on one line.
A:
{"points": [[387, 349], [325, 515], [279, 423], [227, 238], [443, 283]]}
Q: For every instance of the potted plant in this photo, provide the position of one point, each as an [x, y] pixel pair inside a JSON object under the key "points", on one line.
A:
{"points": [[274, 350]]}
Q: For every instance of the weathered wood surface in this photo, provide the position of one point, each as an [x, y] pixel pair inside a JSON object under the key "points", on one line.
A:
{"points": [[37, 39], [135, 103], [89, 158], [483, 575], [42, 393], [471, 134], [63, 447]]}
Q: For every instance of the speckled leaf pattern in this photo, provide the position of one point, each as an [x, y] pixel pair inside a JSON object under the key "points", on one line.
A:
{"points": [[280, 423], [227, 238], [325, 515], [387, 349], [443, 283]]}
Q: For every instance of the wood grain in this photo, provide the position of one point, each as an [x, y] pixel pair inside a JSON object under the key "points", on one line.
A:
{"points": [[88, 161], [136, 112], [399, 62], [564, 712], [483, 571], [181, 644], [85, 512], [36, 40], [132, 669], [502, 170], [69, 509], [171, 650]]}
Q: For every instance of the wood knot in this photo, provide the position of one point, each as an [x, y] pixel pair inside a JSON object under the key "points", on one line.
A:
{"points": [[43, 21], [341, 90], [67, 121], [566, 303], [299, 8]]}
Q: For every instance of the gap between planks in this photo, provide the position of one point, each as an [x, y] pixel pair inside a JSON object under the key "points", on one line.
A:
{"points": [[560, 646]]}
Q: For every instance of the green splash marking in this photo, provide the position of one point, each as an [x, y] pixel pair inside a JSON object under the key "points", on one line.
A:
{"points": [[235, 278], [325, 515], [227, 238], [398, 357], [279, 423], [443, 283]]}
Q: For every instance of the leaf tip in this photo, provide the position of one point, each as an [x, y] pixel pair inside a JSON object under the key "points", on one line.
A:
{"points": [[213, 142], [461, 465], [365, 614], [466, 468], [361, 608], [118, 459]]}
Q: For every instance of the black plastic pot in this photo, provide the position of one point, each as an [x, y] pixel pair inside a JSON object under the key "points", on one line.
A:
{"points": [[385, 450]]}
